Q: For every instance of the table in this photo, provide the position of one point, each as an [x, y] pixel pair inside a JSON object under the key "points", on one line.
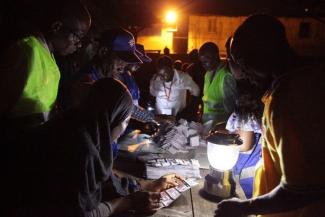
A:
{"points": [[190, 203]]}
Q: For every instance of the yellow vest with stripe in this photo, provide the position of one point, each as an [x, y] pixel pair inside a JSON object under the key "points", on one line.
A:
{"points": [[41, 88], [213, 98]]}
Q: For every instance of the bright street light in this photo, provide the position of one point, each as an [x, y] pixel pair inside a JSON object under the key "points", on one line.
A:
{"points": [[170, 17]]}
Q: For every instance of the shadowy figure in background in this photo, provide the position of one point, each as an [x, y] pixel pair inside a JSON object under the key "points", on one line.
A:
{"points": [[178, 65], [166, 51], [184, 67]]}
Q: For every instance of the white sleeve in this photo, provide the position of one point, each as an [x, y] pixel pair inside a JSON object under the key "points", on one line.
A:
{"points": [[190, 85], [251, 124], [232, 123], [153, 86]]}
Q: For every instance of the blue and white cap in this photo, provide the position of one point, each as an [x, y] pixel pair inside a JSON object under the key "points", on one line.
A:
{"points": [[121, 42], [142, 54]]}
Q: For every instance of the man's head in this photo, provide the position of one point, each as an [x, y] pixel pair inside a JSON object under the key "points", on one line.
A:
{"points": [[209, 56], [117, 50], [193, 56], [165, 68], [178, 65], [64, 25], [261, 49]]}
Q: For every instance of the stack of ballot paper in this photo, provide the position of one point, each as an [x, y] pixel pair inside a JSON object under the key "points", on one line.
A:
{"points": [[168, 196], [178, 137], [158, 167]]}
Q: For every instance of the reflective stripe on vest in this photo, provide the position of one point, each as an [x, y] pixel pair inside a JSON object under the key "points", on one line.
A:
{"points": [[40, 91]]}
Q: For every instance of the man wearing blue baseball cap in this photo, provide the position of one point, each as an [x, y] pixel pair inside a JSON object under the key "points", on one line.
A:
{"points": [[127, 78], [116, 50]]}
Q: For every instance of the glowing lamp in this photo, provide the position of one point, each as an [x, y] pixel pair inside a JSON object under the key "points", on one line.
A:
{"points": [[170, 17], [223, 152], [222, 157]]}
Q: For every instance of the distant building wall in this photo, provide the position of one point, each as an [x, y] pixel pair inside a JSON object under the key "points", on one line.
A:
{"points": [[306, 35], [156, 38]]}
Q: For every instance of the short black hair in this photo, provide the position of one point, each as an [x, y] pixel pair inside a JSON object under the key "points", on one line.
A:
{"points": [[193, 55], [261, 42], [209, 47], [164, 61]]}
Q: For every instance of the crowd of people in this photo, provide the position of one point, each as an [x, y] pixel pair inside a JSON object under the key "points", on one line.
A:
{"points": [[60, 130]]}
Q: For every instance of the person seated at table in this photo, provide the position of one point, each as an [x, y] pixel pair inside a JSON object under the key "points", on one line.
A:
{"points": [[170, 86], [246, 121], [65, 173], [219, 93]]}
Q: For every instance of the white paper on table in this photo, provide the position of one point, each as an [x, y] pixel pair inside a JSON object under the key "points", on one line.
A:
{"points": [[185, 168], [194, 141]]}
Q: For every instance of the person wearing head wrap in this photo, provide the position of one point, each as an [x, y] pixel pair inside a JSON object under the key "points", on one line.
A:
{"points": [[65, 172]]}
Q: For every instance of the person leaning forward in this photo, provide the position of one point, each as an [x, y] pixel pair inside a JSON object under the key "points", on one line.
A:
{"points": [[290, 182], [30, 75]]}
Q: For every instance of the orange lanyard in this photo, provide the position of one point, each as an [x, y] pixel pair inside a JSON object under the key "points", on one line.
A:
{"points": [[167, 93]]}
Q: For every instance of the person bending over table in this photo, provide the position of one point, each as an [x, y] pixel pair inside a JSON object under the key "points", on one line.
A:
{"points": [[290, 181], [66, 172]]}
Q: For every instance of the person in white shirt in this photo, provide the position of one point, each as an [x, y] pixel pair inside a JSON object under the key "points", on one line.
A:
{"points": [[170, 87]]}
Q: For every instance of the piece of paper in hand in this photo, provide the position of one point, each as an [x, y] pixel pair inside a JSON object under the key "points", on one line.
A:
{"points": [[165, 200], [173, 193], [182, 186], [164, 196]]}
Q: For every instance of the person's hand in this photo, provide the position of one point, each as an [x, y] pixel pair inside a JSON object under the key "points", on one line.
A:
{"points": [[233, 207], [163, 183], [166, 182], [144, 202]]}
